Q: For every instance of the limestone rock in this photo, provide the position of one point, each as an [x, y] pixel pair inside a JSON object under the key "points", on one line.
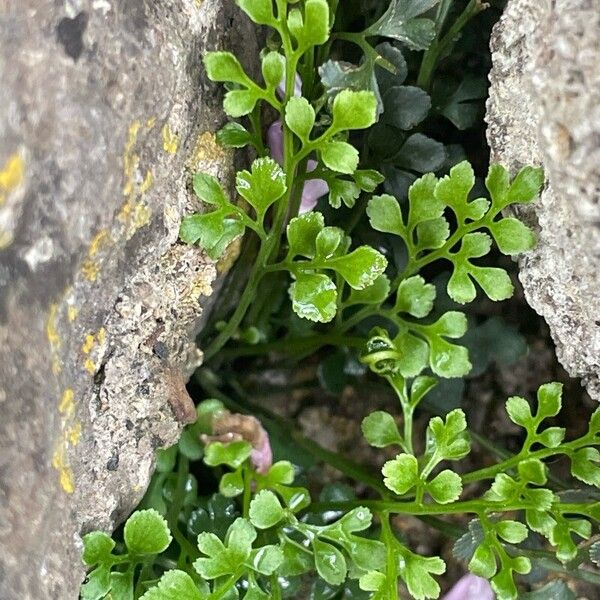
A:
{"points": [[543, 109], [104, 113]]}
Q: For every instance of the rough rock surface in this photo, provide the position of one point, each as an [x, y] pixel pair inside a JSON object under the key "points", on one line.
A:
{"points": [[104, 112], [543, 109]]}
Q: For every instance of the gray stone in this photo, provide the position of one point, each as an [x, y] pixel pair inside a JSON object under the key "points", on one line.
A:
{"points": [[543, 109], [104, 113]]}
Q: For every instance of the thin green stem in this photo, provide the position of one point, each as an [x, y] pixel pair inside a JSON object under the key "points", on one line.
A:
{"points": [[391, 563], [292, 346], [440, 47], [510, 463]]}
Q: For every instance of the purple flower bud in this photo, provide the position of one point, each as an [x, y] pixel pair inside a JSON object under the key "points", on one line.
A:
{"points": [[313, 188], [470, 587], [297, 87]]}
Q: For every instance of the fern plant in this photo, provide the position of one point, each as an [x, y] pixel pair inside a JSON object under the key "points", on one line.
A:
{"points": [[263, 532]]}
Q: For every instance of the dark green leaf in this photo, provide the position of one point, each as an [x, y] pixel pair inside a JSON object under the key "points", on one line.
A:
{"points": [[399, 23], [405, 106]]}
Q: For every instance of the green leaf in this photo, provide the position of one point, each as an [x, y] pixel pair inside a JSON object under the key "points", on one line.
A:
{"points": [[533, 471], [300, 117], [372, 581], [255, 592], [495, 282], [424, 204], [399, 22], [453, 189], [263, 185], [416, 571], [526, 186], [342, 190], [585, 465], [549, 400], [302, 234], [233, 454], [232, 484], [446, 359], [448, 439], [260, 11], [413, 354], [432, 234], [266, 560], [97, 584], [209, 190], [374, 294], [234, 135], [360, 268], [368, 179], [281, 472], [97, 547], [445, 487], [519, 411], [340, 157], [314, 297], [224, 66], [483, 563], [512, 236], [328, 241], [121, 585], [405, 106], [265, 510], [213, 231], [312, 29], [420, 154], [512, 531], [239, 103], [146, 532], [380, 429], [273, 69], [354, 110], [401, 474], [385, 215], [330, 562], [415, 297], [174, 585]]}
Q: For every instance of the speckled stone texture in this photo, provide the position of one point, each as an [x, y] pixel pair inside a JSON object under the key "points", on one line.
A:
{"points": [[544, 110], [104, 114]]}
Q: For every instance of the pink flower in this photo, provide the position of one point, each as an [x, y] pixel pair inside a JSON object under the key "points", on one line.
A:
{"points": [[470, 587], [313, 188]]}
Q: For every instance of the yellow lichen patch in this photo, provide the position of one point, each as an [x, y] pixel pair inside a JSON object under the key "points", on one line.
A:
{"points": [[74, 433], [51, 331], [207, 150], [66, 406], [6, 239], [151, 122], [72, 313], [91, 342], [98, 241], [89, 365], [147, 183], [130, 158], [87, 346], [11, 176], [90, 268], [170, 140], [59, 462], [56, 365]]}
